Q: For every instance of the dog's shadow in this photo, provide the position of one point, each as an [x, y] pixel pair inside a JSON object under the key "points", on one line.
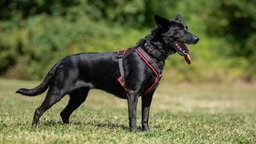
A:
{"points": [[99, 124]]}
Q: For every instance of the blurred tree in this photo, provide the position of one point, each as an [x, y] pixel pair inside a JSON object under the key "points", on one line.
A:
{"points": [[30, 29], [10, 9], [235, 21]]}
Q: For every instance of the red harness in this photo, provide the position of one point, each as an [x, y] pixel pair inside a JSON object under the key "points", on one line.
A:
{"points": [[147, 59]]}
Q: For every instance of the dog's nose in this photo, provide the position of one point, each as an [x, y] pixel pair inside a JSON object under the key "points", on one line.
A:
{"points": [[196, 39]]}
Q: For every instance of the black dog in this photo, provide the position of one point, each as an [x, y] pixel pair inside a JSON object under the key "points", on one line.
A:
{"points": [[127, 74]]}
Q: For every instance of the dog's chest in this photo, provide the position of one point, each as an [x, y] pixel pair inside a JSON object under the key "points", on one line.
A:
{"points": [[150, 80]]}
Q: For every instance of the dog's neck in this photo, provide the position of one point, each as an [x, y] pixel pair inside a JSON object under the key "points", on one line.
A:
{"points": [[154, 50], [154, 45]]}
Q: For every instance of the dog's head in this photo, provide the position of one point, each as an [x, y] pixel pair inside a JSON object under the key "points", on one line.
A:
{"points": [[175, 35]]}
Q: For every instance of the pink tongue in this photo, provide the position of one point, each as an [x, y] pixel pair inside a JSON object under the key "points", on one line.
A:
{"points": [[187, 58]]}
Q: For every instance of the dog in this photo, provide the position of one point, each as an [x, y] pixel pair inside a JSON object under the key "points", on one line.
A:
{"points": [[127, 74]]}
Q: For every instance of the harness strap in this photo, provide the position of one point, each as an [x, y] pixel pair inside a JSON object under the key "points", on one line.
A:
{"points": [[152, 65], [150, 61], [120, 56], [147, 59]]}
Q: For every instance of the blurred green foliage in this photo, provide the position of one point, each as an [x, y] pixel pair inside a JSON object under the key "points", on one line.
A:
{"points": [[35, 34]]}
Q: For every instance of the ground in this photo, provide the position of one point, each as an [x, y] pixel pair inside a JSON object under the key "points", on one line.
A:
{"points": [[183, 113]]}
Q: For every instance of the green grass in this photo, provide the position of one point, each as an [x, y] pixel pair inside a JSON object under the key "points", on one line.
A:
{"points": [[179, 114]]}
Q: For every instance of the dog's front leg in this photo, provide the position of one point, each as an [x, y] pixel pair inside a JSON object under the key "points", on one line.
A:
{"points": [[146, 102], [132, 110]]}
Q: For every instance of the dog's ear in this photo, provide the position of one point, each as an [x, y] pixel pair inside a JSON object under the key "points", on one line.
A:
{"points": [[161, 22], [178, 18]]}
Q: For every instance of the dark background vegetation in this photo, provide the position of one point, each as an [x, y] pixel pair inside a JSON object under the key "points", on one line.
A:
{"points": [[35, 34]]}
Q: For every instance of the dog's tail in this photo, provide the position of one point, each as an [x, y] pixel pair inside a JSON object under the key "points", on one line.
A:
{"points": [[42, 87]]}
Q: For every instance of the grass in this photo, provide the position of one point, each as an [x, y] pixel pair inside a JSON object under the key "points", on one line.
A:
{"points": [[179, 114]]}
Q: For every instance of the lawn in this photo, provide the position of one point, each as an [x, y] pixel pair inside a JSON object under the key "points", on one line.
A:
{"points": [[179, 114]]}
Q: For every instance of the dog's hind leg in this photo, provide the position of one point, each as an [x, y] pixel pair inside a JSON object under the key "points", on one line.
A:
{"points": [[53, 96], [77, 97]]}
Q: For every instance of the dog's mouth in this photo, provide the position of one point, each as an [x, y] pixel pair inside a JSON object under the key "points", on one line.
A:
{"points": [[183, 51]]}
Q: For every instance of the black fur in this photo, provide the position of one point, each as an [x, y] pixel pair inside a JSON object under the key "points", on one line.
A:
{"points": [[76, 74]]}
